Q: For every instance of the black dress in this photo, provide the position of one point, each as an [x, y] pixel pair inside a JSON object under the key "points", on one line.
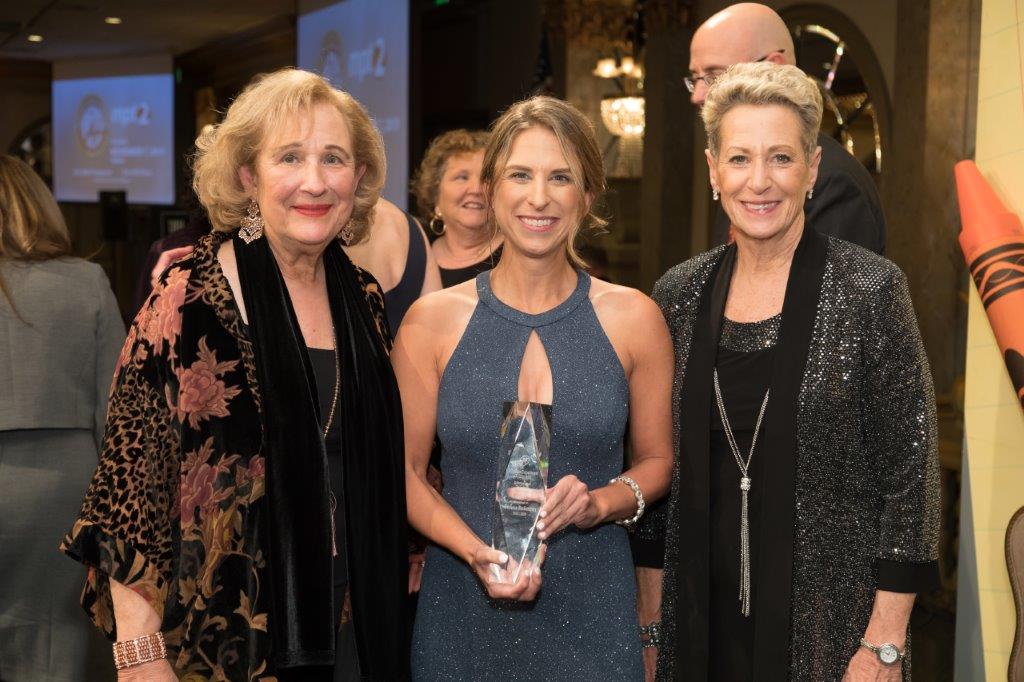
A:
{"points": [[398, 299], [450, 278], [346, 664], [744, 363]]}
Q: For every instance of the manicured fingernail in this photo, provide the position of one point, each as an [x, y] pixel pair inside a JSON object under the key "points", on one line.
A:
{"points": [[502, 558], [542, 535], [543, 513], [540, 525]]}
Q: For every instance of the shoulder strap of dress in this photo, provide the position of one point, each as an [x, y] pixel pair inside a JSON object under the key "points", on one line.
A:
{"points": [[416, 258]]}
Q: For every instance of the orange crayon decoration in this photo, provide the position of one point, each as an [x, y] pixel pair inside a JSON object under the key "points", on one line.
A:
{"points": [[992, 240]]}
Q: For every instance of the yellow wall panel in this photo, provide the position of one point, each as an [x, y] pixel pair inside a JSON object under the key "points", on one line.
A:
{"points": [[993, 419], [998, 16]]}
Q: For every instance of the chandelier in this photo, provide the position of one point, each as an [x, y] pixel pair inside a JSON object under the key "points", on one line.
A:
{"points": [[623, 113], [623, 116]]}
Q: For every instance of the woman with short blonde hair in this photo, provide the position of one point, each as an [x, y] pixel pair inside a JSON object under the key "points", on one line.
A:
{"points": [[763, 86], [804, 509], [227, 535]]}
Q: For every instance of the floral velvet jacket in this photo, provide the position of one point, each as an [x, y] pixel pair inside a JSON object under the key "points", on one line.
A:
{"points": [[174, 505]]}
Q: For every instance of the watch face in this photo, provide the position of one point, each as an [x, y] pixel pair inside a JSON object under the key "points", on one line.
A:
{"points": [[888, 654]]}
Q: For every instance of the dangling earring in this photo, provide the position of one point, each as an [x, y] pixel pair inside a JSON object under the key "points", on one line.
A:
{"points": [[714, 193], [434, 220], [252, 223], [346, 234], [810, 193]]}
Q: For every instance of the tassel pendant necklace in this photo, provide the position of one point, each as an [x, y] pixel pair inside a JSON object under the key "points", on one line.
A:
{"points": [[745, 483]]}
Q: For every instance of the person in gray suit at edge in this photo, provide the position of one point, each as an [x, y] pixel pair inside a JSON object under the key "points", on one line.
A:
{"points": [[60, 333]]}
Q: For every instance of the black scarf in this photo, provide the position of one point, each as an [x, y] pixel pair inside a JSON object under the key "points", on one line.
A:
{"points": [[298, 529], [774, 571]]}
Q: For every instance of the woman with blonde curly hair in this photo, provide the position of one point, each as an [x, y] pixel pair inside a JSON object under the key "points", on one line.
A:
{"points": [[247, 518], [536, 328]]}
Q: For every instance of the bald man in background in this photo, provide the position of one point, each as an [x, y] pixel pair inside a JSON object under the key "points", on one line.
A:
{"points": [[845, 203]]}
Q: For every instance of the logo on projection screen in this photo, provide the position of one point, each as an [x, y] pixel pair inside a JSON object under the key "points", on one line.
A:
{"points": [[368, 62], [330, 62], [92, 127], [333, 65]]}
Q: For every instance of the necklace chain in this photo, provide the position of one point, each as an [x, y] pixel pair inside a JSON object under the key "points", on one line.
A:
{"points": [[337, 390], [745, 483], [327, 429]]}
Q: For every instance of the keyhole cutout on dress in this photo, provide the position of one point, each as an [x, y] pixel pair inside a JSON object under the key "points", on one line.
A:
{"points": [[535, 383]]}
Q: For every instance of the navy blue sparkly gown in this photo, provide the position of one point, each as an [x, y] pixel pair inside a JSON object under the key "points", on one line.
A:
{"points": [[583, 624]]}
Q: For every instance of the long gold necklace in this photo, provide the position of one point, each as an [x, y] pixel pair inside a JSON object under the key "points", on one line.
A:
{"points": [[327, 429], [337, 390]]}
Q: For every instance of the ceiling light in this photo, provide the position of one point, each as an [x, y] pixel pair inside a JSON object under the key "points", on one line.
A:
{"points": [[623, 116], [606, 68], [35, 38], [113, 21]]}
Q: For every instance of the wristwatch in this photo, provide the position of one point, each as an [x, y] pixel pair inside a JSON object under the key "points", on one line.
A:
{"points": [[887, 653]]}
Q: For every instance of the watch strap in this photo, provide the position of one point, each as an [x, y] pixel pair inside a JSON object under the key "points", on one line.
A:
{"points": [[877, 650]]}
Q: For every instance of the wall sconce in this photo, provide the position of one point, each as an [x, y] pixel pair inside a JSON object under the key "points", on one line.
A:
{"points": [[609, 68]]}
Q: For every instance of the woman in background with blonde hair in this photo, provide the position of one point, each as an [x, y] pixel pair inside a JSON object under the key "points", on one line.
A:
{"points": [[536, 328], [60, 331]]}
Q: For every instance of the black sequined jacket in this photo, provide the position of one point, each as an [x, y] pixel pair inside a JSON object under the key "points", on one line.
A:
{"points": [[865, 499]]}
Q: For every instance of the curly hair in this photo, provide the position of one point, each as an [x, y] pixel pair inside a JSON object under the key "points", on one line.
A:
{"points": [[271, 99], [578, 141], [427, 183], [763, 83]]}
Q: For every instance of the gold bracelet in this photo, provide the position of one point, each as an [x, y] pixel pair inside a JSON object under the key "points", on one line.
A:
{"points": [[145, 649]]}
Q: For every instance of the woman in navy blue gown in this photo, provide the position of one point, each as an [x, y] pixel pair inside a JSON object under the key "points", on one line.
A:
{"points": [[535, 328]]}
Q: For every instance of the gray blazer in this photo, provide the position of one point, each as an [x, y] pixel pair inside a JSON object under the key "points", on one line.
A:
{"points": [[57, 360]]}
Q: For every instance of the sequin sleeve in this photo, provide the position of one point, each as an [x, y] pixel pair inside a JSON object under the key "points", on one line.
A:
{"points": [[901, 438]]}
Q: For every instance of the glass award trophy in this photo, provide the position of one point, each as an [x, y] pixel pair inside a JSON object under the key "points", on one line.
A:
{"points": [[521, 484]]}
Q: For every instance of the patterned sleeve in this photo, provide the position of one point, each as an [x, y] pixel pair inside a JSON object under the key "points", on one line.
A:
{"points": [[375, 300], [124, 531], [109, 339], [900, 431]]}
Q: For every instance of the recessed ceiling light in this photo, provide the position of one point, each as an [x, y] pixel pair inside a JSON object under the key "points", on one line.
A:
{"points": [[113, 20], [35, 38]]}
